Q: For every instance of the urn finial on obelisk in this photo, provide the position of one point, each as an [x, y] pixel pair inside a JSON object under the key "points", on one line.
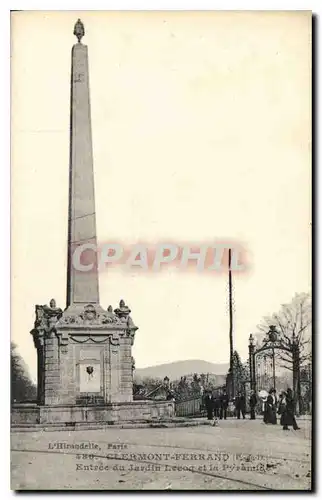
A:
{"points": [[82, 271], [79, 30]]}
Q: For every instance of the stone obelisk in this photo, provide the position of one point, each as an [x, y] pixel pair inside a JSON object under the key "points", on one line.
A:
{"points": [[84, 352], [82, 286]]}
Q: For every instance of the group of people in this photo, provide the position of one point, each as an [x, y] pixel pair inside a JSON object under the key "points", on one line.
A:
{"points": [[217, 406], [284, 406]]}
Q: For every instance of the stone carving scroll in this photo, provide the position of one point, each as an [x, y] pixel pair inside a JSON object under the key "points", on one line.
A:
{"points": [[46, 320]]}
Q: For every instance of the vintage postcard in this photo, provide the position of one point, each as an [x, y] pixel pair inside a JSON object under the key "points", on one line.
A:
{"points": [[161, 250]]}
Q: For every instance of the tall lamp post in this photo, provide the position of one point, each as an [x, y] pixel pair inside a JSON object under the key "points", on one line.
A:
{"points": [[251, 361], [272, 338]]}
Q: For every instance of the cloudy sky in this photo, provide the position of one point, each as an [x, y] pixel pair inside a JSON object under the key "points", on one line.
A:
{"points": [[201, 131]]}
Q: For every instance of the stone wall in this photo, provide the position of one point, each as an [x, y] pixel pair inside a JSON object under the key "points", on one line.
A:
{"points": [[125, 389], [52, 380], [138, 411]]}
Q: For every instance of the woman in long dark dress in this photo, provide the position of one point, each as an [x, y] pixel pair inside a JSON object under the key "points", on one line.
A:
{"points": [[282, 411], [286, 409], [271, 407]]}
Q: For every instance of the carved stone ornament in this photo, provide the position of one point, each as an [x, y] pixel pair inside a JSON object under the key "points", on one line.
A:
{"points": [[38, 336], [63, 339], [123, 311], [46, 320], [72, 320], [47, 317], [90, 370], [89, 338], [115, 340], [92, 316], [110, 317], [89, 315]]}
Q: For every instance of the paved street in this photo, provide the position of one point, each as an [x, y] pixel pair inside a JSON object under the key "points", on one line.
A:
{"points": [[235, 455]]}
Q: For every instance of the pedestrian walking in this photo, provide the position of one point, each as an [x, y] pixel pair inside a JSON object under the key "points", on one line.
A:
{"points": [[271, 407], [209, 405], [224, 399], [240, 405], [287, 411], [216, 406]]}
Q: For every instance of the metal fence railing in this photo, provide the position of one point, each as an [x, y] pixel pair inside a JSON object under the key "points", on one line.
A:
{"points": [[190, 408]]}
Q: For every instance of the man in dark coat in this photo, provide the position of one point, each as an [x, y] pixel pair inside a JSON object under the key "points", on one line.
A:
{"points": [[223, 405], [240, 405], [209, 404], [252, 404], [216, 407]]}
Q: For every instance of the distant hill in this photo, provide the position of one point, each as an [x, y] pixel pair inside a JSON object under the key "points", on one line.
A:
{"points": [[177, 369]]}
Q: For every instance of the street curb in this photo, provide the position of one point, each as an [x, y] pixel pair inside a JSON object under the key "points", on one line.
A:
{"points": [[114, 425]]}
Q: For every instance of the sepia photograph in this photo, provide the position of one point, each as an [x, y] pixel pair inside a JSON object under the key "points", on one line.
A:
{"points": [[161, 250]]}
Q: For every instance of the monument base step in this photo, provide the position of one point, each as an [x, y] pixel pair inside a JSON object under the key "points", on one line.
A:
{"points": [[73, 416], [152, 424]]}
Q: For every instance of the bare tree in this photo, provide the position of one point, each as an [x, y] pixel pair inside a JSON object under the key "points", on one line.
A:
{"points": [[293, 324], [291, 333]]}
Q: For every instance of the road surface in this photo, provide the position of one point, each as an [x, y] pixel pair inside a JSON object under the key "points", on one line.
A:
{"points": [[235, 455]]}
